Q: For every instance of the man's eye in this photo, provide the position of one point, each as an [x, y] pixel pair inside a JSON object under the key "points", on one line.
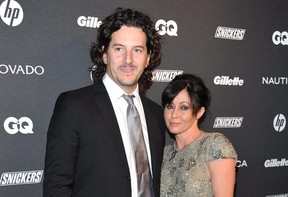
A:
{"points": [[138, 50]]}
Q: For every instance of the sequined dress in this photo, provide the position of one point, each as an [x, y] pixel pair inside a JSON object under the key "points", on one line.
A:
{"points": [[185, 172]]}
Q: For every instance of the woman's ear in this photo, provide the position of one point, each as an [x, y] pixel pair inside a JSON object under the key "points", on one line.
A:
{"points": [[200, 112]]}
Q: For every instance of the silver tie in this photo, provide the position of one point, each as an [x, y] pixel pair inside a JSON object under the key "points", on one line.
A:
{"points": [[139, 149]]}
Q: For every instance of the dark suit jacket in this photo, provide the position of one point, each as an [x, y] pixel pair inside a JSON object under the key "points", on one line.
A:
{"points": [[85, 155]]}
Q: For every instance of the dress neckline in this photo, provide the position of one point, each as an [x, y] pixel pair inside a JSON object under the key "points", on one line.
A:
{"points": [[190, 145]]}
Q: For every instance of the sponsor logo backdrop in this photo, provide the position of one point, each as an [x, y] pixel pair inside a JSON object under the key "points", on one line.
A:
{"points": [[238, 47]]}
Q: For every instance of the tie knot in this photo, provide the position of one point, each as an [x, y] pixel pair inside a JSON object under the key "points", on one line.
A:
{"points": [[129, 98]]}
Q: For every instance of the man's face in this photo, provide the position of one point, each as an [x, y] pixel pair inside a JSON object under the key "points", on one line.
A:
{"points": [[127, 57]]}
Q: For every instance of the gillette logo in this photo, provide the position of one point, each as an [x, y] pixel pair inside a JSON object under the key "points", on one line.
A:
{"points": [[227, 81], [89, 21]]}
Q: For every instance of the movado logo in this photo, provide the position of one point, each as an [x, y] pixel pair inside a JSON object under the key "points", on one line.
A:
{"points": [[19, 69], [24, 125], [280, 38], [11, 13], [279, 122], [170, 27]]}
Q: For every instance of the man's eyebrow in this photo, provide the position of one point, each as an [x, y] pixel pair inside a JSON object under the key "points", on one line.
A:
{"points": [[117, 44], [121, 45]]}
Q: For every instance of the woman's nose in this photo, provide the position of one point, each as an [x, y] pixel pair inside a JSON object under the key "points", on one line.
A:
{"points": [[174, 113]]}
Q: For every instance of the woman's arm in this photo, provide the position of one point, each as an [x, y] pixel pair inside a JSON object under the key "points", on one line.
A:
{"points": [[222, 172]]}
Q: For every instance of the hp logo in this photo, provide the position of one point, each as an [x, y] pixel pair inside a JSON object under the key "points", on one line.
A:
{"points": [[11, 13], [279, 122]]}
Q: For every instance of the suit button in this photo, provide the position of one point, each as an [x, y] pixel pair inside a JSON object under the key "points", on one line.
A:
{"points": [[128, 178]]}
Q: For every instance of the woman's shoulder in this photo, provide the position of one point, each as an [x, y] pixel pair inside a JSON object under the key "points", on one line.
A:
{"points": [[219, 146], [213, 134], [168, 147]]}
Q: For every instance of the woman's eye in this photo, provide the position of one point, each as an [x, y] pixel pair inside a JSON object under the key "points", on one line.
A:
{"points": [[169, 106], [184, 107]]}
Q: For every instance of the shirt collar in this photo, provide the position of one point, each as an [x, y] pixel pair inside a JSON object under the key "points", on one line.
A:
{"points": [[114, 91]]}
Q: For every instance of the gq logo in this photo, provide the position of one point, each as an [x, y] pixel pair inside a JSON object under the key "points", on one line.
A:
{"points": [[170, 27], [279, 122], [11, 13], [280, 38], [24, 125]]}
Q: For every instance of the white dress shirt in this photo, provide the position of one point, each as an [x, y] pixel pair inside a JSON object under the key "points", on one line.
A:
{"points": [[120, 108]]}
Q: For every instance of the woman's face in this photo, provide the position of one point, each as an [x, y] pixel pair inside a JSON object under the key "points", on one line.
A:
{"points": [[179, 116]]}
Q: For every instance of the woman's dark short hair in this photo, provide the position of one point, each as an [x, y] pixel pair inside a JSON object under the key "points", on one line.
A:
{"points": [[131, 18], [199, 94]]}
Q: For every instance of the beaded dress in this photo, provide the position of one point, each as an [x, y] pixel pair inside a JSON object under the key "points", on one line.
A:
{"points": [[184, 172]]}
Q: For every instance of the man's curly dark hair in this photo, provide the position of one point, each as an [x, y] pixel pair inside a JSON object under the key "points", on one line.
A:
{"points": [[113, 23]]}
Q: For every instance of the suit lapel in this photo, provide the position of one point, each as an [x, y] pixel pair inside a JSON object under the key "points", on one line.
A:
{"points": [[106, 110], [150, 121]]}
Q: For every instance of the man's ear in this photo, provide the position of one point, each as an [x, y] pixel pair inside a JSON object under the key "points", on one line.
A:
{"points": [[148, 59], [104, 58]]}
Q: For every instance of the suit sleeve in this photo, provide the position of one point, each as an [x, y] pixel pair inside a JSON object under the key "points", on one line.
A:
{"points": [[61, 149]]}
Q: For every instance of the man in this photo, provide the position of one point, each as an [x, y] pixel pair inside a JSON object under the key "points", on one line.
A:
{"points": [[88, 151]]}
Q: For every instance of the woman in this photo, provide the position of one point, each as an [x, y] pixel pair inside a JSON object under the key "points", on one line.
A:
{"points": [[198, 163]]}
